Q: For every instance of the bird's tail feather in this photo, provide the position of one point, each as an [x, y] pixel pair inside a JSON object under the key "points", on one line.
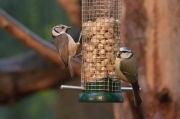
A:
{"points": [[137, 98], [70, 68]]}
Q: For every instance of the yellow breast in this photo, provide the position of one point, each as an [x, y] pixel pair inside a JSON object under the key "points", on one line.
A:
{"points": [[118, 71]]}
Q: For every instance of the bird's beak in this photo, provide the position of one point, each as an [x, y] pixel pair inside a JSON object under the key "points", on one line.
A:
{"points": [[68, 28], [118, 55]]}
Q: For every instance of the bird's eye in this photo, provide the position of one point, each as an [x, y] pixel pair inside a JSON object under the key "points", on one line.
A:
{"points": [[62, 27], [124, 51]]}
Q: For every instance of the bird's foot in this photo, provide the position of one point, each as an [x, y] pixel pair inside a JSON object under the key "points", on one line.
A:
{"points": [[113, 78], [79, 55], [80, 37]]}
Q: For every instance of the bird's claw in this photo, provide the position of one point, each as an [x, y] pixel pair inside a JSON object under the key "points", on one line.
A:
{"points": [[81, 34], [80, 54]]}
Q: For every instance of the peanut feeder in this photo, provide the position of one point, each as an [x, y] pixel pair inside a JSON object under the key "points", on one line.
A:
{"points": [[101, 29]]}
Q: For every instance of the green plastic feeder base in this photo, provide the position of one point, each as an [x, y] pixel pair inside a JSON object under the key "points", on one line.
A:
{"points": [[101, 97]]}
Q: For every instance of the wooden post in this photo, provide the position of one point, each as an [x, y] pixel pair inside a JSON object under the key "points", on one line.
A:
{"points": [[151, 29]]}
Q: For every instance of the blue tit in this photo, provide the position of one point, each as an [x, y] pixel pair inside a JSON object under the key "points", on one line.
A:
{"points": [[126, 69], [65, 45]]}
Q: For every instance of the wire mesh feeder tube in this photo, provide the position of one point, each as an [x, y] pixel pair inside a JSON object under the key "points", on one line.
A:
{"points": [[101, 24]]}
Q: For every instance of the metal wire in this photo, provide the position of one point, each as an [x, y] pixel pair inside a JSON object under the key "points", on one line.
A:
{"points": [[101, 29]]}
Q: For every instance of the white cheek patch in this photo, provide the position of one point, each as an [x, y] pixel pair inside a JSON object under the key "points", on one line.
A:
{"points": [[126, 55], [55, 33]]}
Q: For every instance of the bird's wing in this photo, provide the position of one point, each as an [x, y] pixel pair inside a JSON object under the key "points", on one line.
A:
{"points": [[129, 69], [70, 67], [61, 43]]}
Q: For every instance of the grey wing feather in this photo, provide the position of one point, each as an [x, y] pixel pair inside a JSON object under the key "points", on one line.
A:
{"points": [[129, 69], [61, 43]]}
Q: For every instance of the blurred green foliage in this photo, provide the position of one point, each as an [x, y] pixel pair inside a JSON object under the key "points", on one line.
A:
{"points": [[41, 105], [39, 16]]}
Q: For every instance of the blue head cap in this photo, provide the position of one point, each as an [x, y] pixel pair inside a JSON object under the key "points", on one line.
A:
{"points": [[121, 49]]}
